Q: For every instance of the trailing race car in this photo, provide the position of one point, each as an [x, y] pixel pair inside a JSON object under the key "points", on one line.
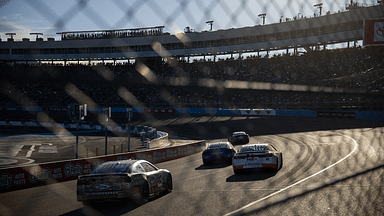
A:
{"points": [[138, 180], [239, 137], [218, 152], [257, 156]]}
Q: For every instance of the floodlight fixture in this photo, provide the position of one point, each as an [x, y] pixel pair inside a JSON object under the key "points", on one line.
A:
{"points": [[11, 34], [263, 17], [210, 22], [320, 6], [37, 34]]}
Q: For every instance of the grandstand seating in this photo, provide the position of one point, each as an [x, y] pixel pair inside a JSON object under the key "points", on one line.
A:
{"points": [[359, 68]]}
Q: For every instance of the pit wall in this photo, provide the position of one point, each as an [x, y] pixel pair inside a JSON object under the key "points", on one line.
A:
{"points": [[34, 175]]}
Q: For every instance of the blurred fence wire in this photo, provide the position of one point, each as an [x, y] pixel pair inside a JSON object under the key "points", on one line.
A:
{"points": [[331, 76]]}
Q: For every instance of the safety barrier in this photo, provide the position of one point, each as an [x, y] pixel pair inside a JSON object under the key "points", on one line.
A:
{"points": [[46, 173]]}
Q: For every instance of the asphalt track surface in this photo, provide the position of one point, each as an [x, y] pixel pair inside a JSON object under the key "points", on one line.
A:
{"points": [[330, 167]]}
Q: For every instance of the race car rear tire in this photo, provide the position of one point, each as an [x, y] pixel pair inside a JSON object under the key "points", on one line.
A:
{"points": [[237, 172], [206, 163], [169, 185], [144, 194]]}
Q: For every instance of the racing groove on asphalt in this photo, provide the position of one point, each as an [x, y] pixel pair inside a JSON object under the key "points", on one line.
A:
{"points": [[310, 146]]}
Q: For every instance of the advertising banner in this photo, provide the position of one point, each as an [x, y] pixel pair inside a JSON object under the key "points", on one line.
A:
{"points": [[373, 32]]}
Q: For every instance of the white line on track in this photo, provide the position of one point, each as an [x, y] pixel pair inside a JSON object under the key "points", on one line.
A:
{"points": [[239, 211], [29, 153]]}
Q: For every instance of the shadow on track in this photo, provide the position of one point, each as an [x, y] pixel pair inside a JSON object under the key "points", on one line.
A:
{"points": [[254, 175], [105, 208], [212, 166]]}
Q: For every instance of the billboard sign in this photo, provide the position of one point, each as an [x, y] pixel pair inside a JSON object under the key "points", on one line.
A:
{"points": [[373, 32]]}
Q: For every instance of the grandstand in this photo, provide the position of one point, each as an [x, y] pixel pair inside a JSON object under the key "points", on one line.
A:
{"points": [[307, 33], [158, 71]]}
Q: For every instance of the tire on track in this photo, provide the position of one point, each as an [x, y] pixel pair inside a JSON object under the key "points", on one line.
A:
{"points": [[144, 194], [169, 185]]}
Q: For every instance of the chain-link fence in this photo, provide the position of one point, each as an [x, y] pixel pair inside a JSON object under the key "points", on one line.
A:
{"points": [[297, 63]]}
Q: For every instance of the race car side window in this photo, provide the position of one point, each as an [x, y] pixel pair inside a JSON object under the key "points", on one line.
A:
{"points": [[147, 167], [139, 169]]}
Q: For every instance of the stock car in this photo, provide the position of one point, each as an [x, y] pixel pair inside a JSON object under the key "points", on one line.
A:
{"points": [[138, 180], [239, 137], [257, 156], [218, 152]]}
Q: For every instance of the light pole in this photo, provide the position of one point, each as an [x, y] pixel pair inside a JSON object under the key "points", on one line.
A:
{"points": [[263, 17], [37, 35], [10, 34], [129, 115], [320, 6], [107, 115], [210, 22]]}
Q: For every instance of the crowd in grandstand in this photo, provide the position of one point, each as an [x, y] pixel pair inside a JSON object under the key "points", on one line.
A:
{"points": [[179, 85]]}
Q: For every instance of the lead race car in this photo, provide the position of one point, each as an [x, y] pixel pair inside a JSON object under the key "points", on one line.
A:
{"points": [[239, 137], [257, 156], [138, 180], [218, 152]]}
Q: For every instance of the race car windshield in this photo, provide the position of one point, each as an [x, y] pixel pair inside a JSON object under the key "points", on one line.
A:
{"points": [[113, 168], [254, 148], [239, 134], [218, 145]]}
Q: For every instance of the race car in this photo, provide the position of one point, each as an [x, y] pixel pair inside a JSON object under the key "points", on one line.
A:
{"points": [[218, 152], [257, 156], [239, 137], [138, 180]]}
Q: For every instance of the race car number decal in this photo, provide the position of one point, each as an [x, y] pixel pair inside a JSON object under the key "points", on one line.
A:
{"points": [[160, 182]]}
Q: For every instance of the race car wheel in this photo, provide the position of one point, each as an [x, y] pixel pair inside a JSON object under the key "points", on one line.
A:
{"points": [[144, 194], [206, 163], [169, 185], [237, 172]]}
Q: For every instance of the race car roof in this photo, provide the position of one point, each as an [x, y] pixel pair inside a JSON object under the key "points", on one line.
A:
{"points": [[255, 148], [239, 133], [218, 145], [122, 166]]}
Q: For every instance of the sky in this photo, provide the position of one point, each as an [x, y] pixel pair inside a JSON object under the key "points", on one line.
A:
{"points": [[51, 16]]}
